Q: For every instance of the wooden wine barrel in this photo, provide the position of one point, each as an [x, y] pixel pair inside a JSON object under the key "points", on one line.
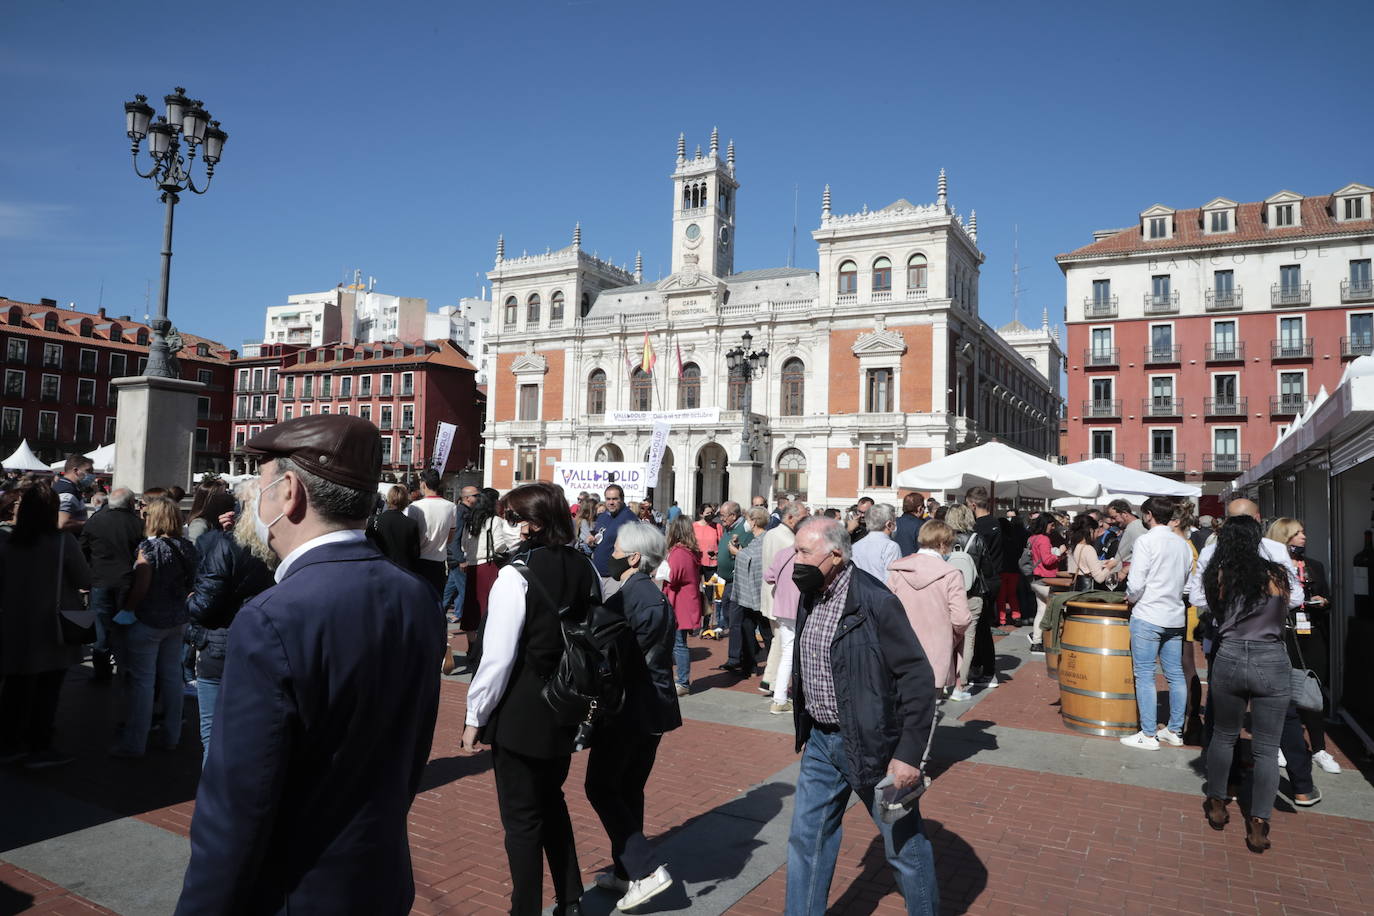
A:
{"points": [[1096, 685]]}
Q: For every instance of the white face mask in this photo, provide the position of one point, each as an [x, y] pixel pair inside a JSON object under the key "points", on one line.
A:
{"points": [[264, 529]]}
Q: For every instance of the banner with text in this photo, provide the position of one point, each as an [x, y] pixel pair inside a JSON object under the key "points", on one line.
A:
{"points": [[656, 447], [595, 476], [679, 417], [443, 443]]}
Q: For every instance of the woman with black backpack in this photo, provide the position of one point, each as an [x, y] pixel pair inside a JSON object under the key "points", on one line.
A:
{"points": [[523, 645]]}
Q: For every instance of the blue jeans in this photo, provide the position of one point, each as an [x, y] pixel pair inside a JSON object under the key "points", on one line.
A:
{"points": [[814, 844], [682, 656], [108, 635], [207, 692], [1150, 642], [1255, 674], [455, 588], [154, 655]]}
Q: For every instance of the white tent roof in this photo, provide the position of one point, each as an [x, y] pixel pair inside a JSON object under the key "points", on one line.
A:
{"points": [[103, 458], [999, 466], [1123, 481], [24, 459]]}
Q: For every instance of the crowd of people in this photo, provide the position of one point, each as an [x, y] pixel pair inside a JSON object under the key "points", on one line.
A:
{"points": [[308, 616]]}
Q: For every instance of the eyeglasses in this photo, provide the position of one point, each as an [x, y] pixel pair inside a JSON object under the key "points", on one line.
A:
{"points": [[515, 518]]}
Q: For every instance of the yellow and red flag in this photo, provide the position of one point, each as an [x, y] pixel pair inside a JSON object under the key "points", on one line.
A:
{"points": [[647, 363]]}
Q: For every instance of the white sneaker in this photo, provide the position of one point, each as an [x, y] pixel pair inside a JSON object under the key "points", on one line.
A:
{"points": [[1326, 762], [987, 684], [782, 708], [645, 889], [1168, 737], [608, 881], [1141, 742], [960, 695], [1283, 761]]}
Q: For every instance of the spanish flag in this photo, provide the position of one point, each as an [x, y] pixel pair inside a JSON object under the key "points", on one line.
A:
{"points": [[647, 363]]}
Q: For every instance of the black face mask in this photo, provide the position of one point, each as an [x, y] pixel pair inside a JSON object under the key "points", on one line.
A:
{"points": [[618, 566], [1297, 552], [809, 580]]}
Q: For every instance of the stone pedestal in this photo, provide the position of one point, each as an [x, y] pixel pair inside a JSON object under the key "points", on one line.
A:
{"points": [[745, 482], [155, 432]]}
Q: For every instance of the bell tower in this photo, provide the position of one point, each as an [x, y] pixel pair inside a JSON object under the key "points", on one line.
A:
{"points": [[704, 189]]}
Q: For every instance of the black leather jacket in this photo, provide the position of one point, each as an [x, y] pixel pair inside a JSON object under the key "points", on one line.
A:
{"points": [[650, 697], [228, 575]]}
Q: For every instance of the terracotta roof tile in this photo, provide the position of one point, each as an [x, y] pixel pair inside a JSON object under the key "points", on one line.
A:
{"points": [[446, 354], [100, 333]]}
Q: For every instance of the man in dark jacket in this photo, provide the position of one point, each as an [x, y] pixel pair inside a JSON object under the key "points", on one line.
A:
{"points": [[330, 692], [987, 553], [863, 708], [110, 541], [909, 524]]}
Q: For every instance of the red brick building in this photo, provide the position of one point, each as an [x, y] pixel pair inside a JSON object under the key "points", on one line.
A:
{"points": [[406, 389], [58, 367]]}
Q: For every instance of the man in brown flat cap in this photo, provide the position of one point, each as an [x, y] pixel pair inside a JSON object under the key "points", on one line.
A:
{"points": [[326, 710]]}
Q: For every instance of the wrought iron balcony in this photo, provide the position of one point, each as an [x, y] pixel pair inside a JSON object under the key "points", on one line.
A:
{"points": [[1157, 354], [1291, 348], [1165, 304], [1223, 300], [1228, 352], [1357, 290], [1101, 410], [1357, 345], [1283, 405], [1161, 407], [1100, 307], [1284, 294], [1116, 457], [1102, 356], [1225, 463], [1162, 464], [1226, 407]]}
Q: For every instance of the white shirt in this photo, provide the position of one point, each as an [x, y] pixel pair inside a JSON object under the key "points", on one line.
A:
{"points": [[346, 536], [1273, 550], [875, 552], [441, 517], [500, 642], [1160, 563]]}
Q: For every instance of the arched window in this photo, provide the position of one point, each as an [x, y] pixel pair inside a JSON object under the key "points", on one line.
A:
{"points": [[116, 332], [641, 390], [686, 197], [87, 328], [791, 476], [142, 337], [609, 452], [596, 393], [882, 275], [16, 315], [916, 272], [734, 390], [689, 387], [512, 307], [586, 304], [556, 307], [849, 279], [50, 321], [532, 310], [793, 387]]}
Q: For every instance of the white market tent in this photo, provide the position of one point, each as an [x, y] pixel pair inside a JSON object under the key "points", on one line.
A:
{"points": [[1120, 482], [24, 459], [995, 466], [102, 459]]}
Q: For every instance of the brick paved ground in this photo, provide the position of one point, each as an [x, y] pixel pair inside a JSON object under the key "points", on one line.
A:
{"points": [[22, 892]]}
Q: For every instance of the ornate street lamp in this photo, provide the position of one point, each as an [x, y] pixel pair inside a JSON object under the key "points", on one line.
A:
{"points": [[746, 363], [186, 122]]}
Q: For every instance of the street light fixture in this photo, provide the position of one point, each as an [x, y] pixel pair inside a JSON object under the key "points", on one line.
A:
{"points": [[746, 363], [186, 122]]}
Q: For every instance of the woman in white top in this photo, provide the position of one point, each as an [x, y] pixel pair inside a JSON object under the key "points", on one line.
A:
{"points": [[1083, 559], [486, 537]]}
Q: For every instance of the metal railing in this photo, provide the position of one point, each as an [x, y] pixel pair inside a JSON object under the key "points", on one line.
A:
{"points": [[1165, 304], [1156, 354], [1225, 463], [1100, 307], [1103, 409], [1286, 404], [1222, 300], [1291, 348], [1281, 294], [1231, 352], [1162, 464], [1099, 356], [1357, 345], [1357, 290], [1226, 407], [1161, 407], [1116, 457]]}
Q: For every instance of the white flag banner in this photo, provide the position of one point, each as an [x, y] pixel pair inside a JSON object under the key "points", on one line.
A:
{"points": [[443, 444], [680, 417], [595, 476], [656, 447]]}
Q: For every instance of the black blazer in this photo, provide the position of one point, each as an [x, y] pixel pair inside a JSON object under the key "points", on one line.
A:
{"points": [[650, 695], [398, 537], [326, 712], [110, 541]]}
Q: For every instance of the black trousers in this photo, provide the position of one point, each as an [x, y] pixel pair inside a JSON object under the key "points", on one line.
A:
{"points": [[751, 626], [28, 710], [529, 791], [433, 572], [984, 649], [617, 771]]}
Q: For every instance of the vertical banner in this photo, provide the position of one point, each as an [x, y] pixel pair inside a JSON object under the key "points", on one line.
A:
{"points": [[443, 442], [656, 446]]}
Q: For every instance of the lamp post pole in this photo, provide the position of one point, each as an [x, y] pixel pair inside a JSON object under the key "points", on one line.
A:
{"points": [[747, 363], [186, 122]]}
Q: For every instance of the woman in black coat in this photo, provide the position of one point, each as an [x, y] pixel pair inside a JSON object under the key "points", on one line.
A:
{"points": [[623, 754], [396, 533]]}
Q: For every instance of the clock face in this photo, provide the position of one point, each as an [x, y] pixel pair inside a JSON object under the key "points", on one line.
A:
{"points": [[693, 232], [724, 236]]}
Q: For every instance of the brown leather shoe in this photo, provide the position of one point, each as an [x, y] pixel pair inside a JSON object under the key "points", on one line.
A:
{"points": [[1257, 833], [1217, 815]]}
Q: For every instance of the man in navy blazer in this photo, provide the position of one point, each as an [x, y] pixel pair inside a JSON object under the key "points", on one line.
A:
{"points": [[326, 711]]}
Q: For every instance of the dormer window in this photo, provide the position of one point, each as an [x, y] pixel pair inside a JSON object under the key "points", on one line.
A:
{"points": [[1283, 215], [1219, 221], [1157, 223], [1219, 216], [1352, 202], [1159, 227], [1353, 208], [1284, 210]]}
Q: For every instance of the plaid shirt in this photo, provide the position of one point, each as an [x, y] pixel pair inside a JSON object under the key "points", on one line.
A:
{"points": [[818, 680]]}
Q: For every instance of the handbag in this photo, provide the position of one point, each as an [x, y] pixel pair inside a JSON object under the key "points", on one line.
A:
{"points": [[1306, 686], [76, 626], [1026, 562]]}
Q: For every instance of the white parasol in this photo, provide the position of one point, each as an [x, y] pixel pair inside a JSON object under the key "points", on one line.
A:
{"points": [[996, 464]]}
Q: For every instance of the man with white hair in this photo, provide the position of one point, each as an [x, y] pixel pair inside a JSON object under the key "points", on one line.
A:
{"points": [[876, 552], [110, 541]]}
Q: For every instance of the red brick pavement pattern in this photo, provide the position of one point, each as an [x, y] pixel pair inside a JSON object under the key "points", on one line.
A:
{"points": [[25, 892], [1015, 841]]}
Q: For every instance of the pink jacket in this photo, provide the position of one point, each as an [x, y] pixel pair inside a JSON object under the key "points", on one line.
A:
{"points": [[932, 594], [779, 575], [1046, 563]]}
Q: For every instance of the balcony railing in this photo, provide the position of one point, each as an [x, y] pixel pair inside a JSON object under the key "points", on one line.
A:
{"points": [[1281, 405], [1283, 294], [1226, 407], [1102, 356], [47, 396], [1291, 348], [1357, 345], [1162, 464], [1161, 407], [1357, 290], [1100, 307], [1222, 300], [1224, 463], [1101, 410], [1115, 457], [15, 359], [1156, 354], [1164, 304], [1228, 352], [51, 363]]}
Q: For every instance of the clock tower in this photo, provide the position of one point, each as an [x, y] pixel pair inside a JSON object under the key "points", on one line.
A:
{"points": [[704, 189]]}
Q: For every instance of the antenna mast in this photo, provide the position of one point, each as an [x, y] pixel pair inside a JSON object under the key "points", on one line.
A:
{"points": [[1015, 273], [792, 254]]}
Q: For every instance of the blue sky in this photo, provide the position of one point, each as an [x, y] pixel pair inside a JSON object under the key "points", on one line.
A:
{"points": [[401, 138]]}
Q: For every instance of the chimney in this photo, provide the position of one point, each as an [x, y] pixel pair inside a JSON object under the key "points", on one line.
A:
{"points": [[50, 303], [101, 311]]}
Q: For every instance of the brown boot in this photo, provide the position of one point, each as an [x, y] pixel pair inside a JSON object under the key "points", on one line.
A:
{"points": [[1257, 833], [1217, 815]]}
